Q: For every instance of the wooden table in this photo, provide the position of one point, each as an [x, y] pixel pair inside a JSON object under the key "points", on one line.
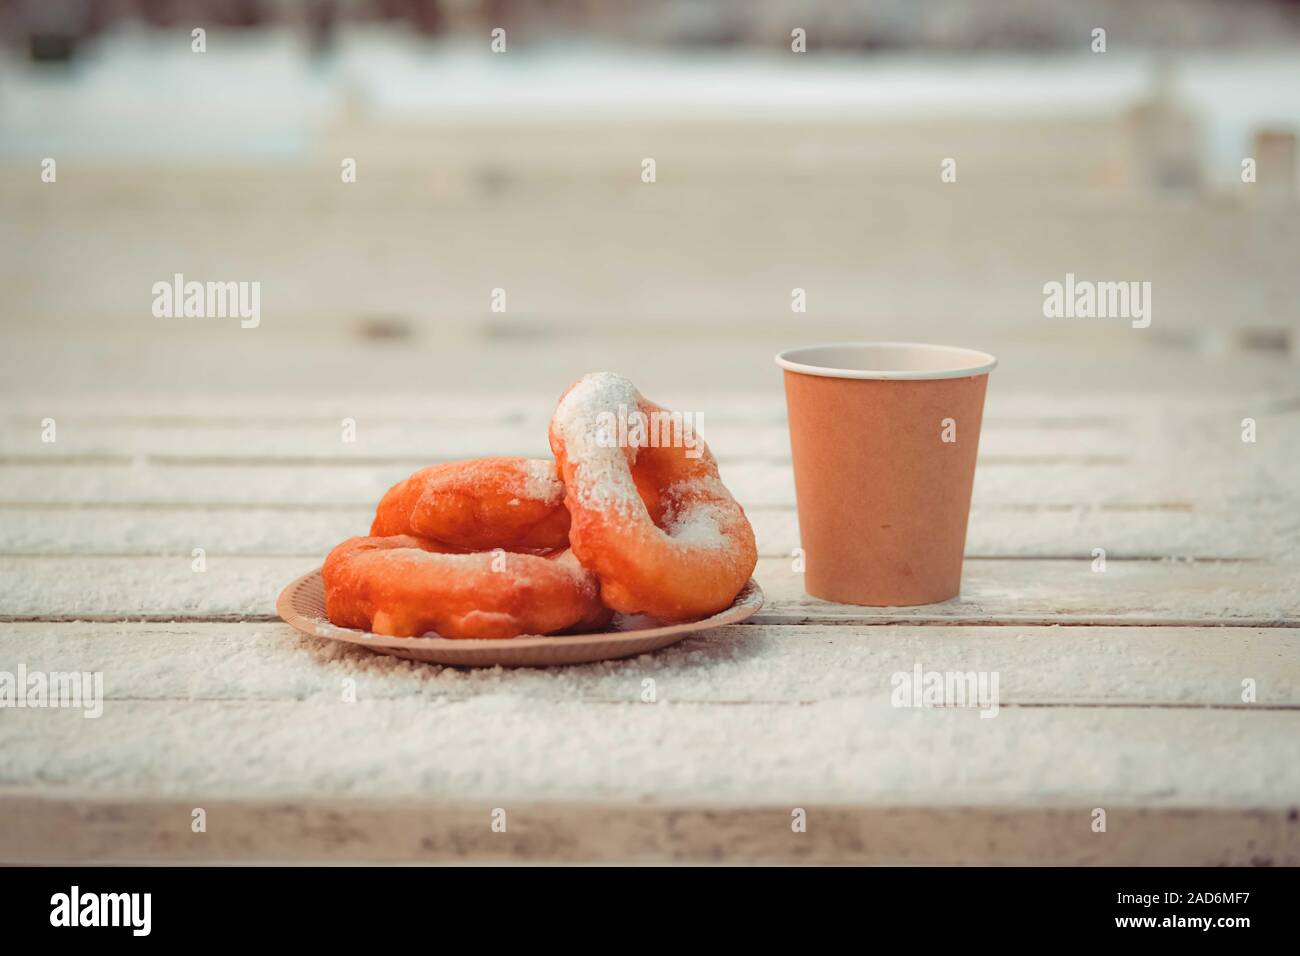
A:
{"points": [[1121, 689]]}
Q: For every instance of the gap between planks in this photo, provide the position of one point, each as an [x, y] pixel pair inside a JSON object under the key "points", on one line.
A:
{"points": [[760, 619], [308, 555], [412, 462], [37, 505], [757, 702]]}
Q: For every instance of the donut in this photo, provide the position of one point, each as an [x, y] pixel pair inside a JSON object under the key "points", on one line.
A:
{"points": [[652, 520], [511, 503], [405, 586]]}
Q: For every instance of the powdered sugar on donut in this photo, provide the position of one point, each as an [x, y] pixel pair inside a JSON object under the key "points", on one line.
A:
{"points": [[698, 526], [541, 481], [699, 513], [602, 479]]}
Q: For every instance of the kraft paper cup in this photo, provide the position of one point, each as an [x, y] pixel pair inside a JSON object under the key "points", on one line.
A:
{"points": [[884, 437]]}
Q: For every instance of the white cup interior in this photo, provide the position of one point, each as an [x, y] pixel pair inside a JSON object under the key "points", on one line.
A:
{"points": [[886, 360]]}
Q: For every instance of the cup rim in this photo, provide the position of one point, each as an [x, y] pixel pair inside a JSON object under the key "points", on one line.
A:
{"points": [[966, 362]]}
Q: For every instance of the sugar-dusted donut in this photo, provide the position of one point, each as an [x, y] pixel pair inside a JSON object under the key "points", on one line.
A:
{"points": [[403, 586], [510, 503], [651, 519]]}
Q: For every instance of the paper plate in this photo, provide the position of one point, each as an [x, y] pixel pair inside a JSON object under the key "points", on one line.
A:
{"points": [[302, 605]]}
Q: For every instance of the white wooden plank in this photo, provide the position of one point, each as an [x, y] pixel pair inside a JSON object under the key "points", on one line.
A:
{"points": [[492, 403], [755, 484], [426, 442], [500, 747], [735, 432], [1113, 666], [707, 236], [1061, 592], [993, 591], [1172, 392], [1054, 532], [75, 826]]}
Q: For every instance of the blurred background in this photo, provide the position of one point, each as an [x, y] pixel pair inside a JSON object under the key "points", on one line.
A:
{"points": [[522, 170]]}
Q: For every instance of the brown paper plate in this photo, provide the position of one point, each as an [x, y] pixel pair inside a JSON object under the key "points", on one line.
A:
{"points": [[302, 605]]}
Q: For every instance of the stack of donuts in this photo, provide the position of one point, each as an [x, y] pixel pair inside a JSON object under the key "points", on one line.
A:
{"points": [[498, 547]]}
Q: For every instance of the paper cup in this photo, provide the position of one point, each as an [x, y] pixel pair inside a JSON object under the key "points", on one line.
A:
{"points": [[884, 437]]}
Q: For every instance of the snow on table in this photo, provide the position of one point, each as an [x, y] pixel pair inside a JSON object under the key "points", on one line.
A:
{"points": [[1123, 690]]}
